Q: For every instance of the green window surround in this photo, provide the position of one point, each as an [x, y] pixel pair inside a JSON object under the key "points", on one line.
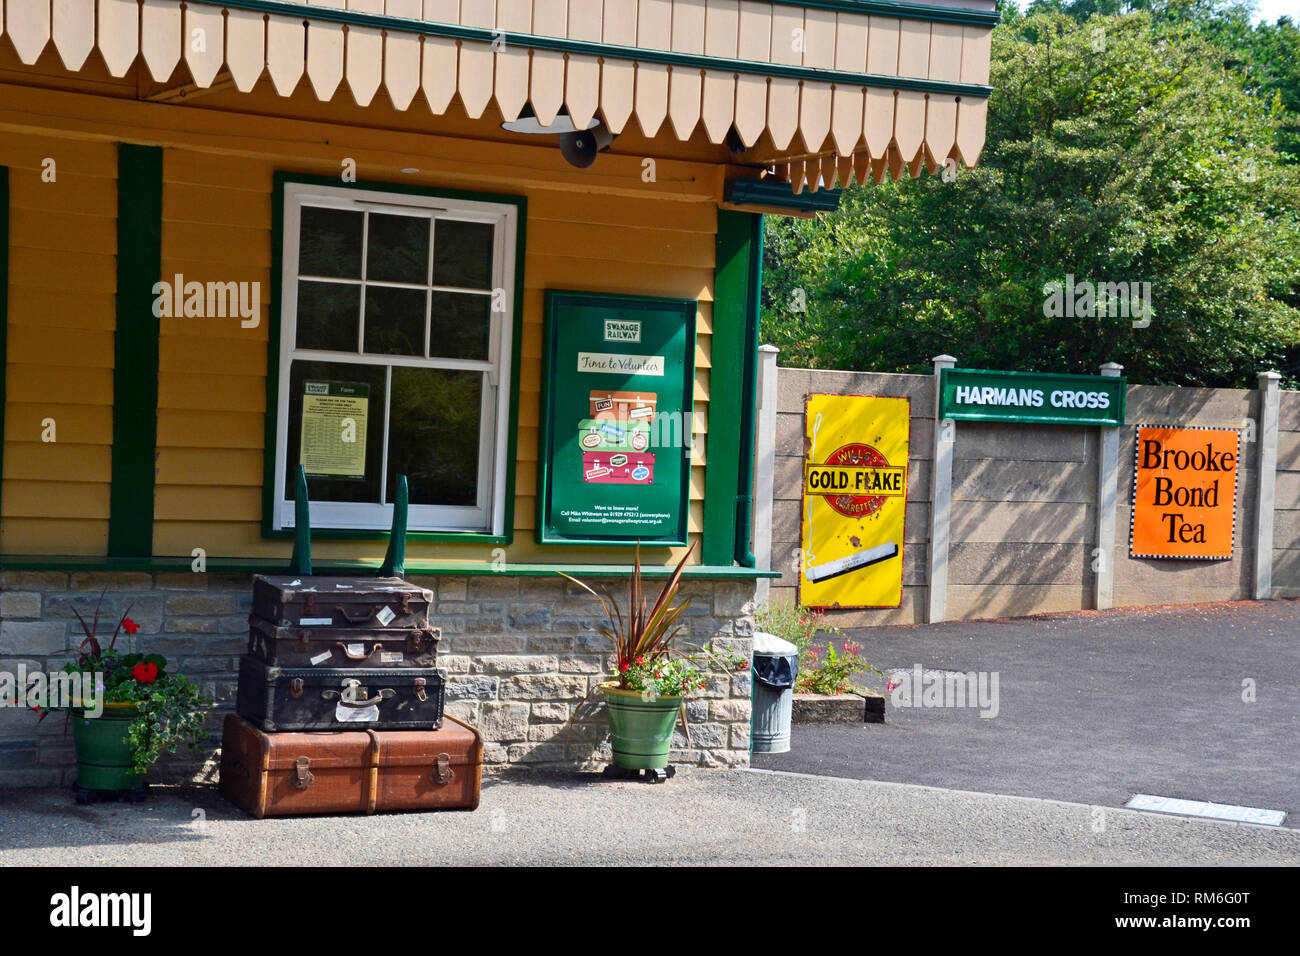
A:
{"points": [[4, 307], [135, 350]]}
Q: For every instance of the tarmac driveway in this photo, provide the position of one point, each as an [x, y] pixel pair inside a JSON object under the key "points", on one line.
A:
{"points": [[1092, 708]]}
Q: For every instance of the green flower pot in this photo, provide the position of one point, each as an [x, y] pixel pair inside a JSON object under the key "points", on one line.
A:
{"points": [[103, 754], [641, 731]]}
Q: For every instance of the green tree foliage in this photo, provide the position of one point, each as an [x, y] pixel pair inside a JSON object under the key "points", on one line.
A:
{"points": [[1118, 151]]}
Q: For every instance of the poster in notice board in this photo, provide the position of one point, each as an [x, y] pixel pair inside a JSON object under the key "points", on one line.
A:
{"points": [[618, 382]]}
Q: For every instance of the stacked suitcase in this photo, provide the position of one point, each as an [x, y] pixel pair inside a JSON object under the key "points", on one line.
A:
{"points": [[340, 703]]}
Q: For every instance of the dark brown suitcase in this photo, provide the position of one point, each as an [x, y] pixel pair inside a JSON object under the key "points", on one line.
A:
{"points": [[351, 772], [322, 601], [293, 646], [339, 698]]}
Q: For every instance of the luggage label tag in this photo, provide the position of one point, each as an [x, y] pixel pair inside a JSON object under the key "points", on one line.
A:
{"points": [[315, 621], [321, 658], [385, 616]]}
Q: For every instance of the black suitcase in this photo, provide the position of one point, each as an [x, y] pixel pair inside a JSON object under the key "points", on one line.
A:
{"points": [[322, 601], [337, 698], [294, 646]]}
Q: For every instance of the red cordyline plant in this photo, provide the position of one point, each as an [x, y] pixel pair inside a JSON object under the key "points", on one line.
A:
{"points": [[646, 633]]}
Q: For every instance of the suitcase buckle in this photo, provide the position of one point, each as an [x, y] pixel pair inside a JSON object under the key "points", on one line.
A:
{"points": [[295, 688], [442, 772], [420, 693], [302, 777]]}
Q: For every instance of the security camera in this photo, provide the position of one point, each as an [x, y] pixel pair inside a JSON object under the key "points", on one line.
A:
{"points": [[580, 147]]}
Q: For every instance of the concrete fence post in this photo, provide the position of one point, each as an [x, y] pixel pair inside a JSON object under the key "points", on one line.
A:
{"points": [[945, 434], [1266, 463], [1103, 563], [765, 465]]}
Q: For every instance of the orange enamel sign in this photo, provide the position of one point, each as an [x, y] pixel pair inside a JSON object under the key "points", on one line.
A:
{"points": [[1184, 492]]}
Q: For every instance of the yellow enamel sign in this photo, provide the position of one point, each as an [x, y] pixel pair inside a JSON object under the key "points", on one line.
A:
{"points": [[854, 501]]}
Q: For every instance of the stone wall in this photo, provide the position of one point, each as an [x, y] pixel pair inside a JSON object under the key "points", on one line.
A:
{"points": [[518, 652]]}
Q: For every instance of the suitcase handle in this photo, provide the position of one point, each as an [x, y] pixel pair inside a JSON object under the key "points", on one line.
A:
{"points": [[361, 618], [349, 696], [359, 657]]}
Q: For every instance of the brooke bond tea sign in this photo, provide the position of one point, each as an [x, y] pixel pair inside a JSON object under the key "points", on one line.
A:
{"points": [[1184, 492], [854, 500]]}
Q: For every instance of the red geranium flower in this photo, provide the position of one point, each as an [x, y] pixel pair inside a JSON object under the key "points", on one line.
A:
{"points": [[145, 673], [129, 625], [640, 660]]}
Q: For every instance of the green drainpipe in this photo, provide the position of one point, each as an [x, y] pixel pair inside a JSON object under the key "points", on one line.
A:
{"points": [[745, 487]]}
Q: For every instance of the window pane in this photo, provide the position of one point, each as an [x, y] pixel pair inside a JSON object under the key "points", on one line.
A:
{"points": [[343, 489], [330, 243], [462, 254], [395, 320], [397, 249], [328, 313], [460, 324], [433, 435]]}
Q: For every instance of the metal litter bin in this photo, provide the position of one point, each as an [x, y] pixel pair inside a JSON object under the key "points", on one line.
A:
{"points": [[776, 664]]}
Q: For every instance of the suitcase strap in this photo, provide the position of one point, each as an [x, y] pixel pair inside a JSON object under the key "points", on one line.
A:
{"points": [[302, 777], [442, 772]]}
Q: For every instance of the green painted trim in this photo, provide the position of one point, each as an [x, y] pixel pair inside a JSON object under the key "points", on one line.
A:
{"points": [[165, 564], [745, 556], [890, 8], [766, 192], [731, 281], [135, 350], [4, 308], [269, 483], [692, 306]]}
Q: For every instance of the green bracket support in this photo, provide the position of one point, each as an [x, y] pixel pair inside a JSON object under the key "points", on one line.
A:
{"points": [[394, 565], [300, 563]]}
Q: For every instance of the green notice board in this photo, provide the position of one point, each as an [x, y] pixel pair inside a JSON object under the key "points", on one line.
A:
{"points": [[617, 383]]}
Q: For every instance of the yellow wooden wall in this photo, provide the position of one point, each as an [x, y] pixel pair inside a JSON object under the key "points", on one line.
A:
{"points": [[62, 274], [603, 230]]}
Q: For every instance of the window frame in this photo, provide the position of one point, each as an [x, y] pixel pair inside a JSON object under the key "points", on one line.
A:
{"points": [[340, 519]]}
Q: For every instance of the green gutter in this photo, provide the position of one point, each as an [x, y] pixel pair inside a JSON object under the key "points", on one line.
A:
{"points": [[135, 351], [891, 8], [745, 557], [165, 564], [4, 304]]}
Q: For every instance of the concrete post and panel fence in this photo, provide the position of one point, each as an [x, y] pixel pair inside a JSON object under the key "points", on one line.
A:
{"points": [[1007, 519]]}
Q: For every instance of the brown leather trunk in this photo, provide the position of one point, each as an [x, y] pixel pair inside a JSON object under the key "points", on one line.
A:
{"points": [[284, 774], [421, 770], [272, 775]]}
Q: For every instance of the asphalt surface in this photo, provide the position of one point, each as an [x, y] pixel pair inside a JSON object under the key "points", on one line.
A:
{"points": [[1092, 708], [712, 817]]}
